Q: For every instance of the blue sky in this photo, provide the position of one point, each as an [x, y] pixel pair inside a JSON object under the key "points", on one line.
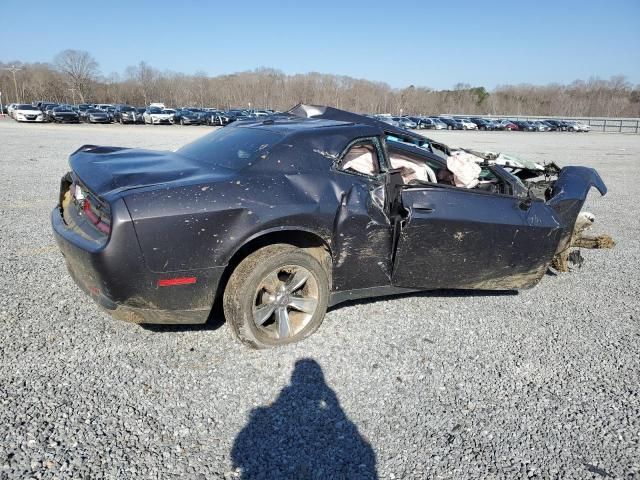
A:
{"points": [[435, 44]]}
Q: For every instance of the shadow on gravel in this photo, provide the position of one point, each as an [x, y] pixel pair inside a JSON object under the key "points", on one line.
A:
{"points": [[304, 434], [429, 293]]}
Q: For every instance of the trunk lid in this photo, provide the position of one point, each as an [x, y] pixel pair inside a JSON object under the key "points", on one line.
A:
{"points": [[109, 171]]}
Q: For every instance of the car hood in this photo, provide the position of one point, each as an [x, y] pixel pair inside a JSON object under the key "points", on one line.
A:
{"points": [[110, 171]]}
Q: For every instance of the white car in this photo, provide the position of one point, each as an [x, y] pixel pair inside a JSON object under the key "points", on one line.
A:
{"points": [[158, 116], [467, 124], [27, 113], [578, 127]]}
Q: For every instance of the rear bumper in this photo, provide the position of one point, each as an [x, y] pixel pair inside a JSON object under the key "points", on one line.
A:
{"points": [[115, 276]]}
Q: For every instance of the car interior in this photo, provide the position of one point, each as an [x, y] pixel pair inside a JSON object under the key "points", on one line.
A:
{"points": [[362, 158]]}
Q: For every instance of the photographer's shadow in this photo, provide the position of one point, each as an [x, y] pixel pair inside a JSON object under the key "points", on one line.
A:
{"points": [[304, 434]]}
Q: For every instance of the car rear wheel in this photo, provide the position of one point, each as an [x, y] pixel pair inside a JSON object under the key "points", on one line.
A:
{"points": [[275, 296]]}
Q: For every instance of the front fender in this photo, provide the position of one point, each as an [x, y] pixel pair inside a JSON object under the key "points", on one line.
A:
{"points": [[569, 194]]}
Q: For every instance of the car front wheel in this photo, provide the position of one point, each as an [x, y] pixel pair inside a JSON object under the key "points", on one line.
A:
{"points": [[275, 296]]}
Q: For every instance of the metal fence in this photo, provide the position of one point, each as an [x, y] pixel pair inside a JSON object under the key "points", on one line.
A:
{"points": [[597, 124]]}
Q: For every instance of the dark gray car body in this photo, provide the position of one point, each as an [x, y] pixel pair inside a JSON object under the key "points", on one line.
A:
{"points": [[173, 216]]}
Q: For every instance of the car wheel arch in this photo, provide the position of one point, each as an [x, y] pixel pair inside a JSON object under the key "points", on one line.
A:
{"points": [[303, 238]]}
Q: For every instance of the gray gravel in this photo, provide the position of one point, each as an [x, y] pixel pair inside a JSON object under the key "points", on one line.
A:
{"points": [[542, 384]]}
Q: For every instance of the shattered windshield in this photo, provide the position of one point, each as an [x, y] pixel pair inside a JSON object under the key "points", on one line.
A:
{"points": [[232, 148]]}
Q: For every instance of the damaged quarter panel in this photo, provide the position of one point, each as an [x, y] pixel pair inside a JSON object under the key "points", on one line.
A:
{"points": [[287, 186]]}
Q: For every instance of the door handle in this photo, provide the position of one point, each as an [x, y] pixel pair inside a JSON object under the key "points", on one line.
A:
{"points": [[423, 209]]}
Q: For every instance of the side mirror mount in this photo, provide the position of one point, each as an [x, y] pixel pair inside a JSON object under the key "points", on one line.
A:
{"points": [[525, 203]]}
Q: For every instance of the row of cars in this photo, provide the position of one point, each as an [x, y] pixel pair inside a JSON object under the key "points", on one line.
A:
{"points": [[477, 123], [158, 114], [154, 114]]}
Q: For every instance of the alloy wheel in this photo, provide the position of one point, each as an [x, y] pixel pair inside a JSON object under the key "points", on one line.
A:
{"points": [[285, 302]]}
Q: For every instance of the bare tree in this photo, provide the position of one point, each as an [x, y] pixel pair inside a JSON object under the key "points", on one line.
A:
{"points": [[268, 88], [80, 68]]}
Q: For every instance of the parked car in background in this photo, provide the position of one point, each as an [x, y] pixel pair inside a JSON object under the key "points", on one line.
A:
{"points": [[428, 123], [422, 123], [525, 126], [388, 119], [438, 124], [482, 124], [94, 115], [104, 106], [494, 124], [558, 124], [158, 116], [47, 108], [574, 126], [405, 122], [25, 112], [217, 118], [552, 127], [508, 125], [540, 126], [238, 115], [452, 123], [467, 124], [186, 116], [64, 114], [126, 114], [83, 107], [111, 111]]}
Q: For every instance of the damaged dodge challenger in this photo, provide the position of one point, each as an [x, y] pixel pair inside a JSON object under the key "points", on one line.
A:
{"points": [[281, 217]]}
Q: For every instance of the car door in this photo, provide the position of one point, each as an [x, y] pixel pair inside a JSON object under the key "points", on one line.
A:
{"points": [[362, 233], [466, 238]]}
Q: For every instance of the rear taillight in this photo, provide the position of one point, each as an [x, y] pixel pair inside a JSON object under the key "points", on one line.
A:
{"points": [[99, 222], [75, 197]]}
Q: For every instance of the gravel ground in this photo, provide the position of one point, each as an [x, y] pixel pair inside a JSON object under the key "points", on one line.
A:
{"points": [[541, 384]]}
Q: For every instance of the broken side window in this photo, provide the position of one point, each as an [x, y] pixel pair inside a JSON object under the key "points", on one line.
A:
{"points": [[361, 158]]}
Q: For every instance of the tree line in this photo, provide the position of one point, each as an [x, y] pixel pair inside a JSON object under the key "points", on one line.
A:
{"points": [[74, 77]]}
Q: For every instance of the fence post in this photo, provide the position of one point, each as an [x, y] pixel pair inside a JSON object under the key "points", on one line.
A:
{"points": [[604, 126]]}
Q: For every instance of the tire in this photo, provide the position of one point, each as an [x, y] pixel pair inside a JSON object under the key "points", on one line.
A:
{"points": [[121, 121], [263, 281], [182, 122]]}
